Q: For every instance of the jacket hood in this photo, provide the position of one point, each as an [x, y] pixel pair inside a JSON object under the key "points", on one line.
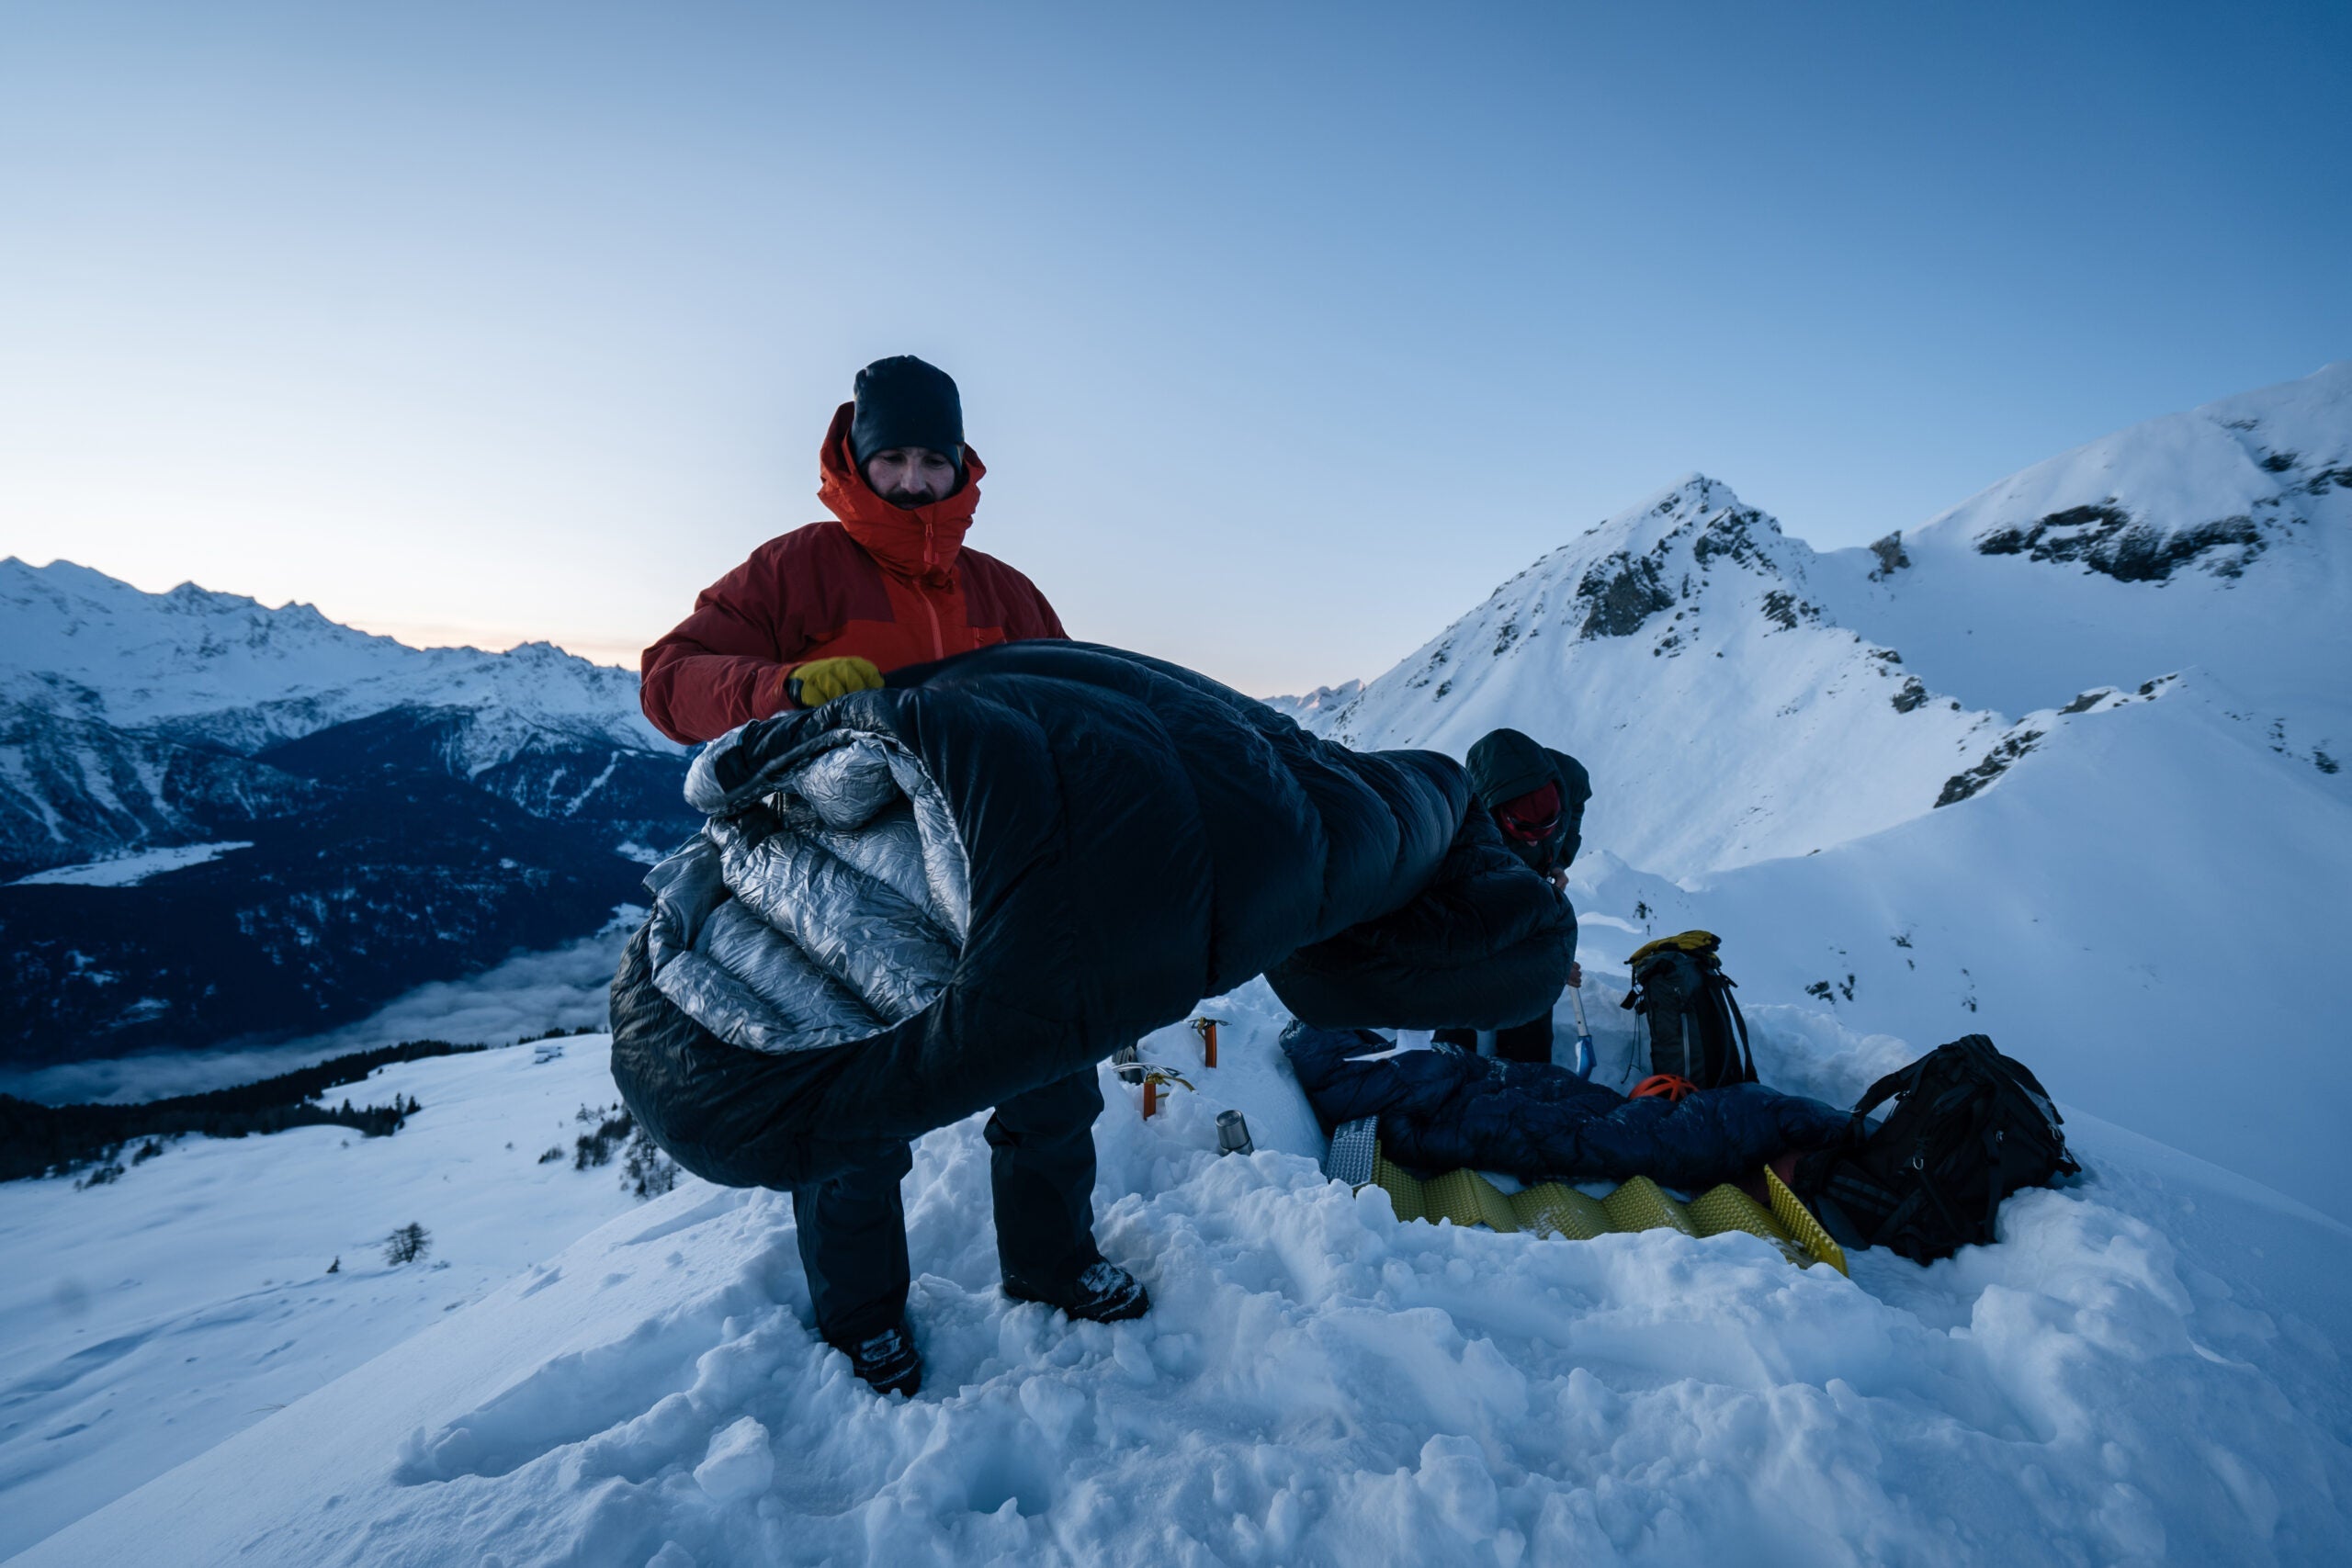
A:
{"points": [[1505, 765], [919, 542]]}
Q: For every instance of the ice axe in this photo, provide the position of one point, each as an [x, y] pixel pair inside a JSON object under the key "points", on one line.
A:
{"points": [[1584, 1034]]}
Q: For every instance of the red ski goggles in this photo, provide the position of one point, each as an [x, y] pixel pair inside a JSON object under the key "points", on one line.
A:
{"points": [[1531, 817]]}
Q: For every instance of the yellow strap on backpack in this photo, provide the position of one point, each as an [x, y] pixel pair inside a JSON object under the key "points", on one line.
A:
{"points": [[1688, 942]]}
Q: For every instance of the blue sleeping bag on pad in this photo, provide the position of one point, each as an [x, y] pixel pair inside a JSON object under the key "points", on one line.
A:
{"points": [[1443, 1110]]}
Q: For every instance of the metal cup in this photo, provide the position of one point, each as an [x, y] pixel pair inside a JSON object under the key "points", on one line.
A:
{"points": [[1233, 1135]]}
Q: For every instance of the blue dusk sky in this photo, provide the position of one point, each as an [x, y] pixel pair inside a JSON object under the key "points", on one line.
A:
{"points": [[1287, 331]]}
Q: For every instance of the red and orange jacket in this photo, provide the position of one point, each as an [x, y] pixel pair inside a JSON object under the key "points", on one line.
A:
{"points": [[890, 585]]}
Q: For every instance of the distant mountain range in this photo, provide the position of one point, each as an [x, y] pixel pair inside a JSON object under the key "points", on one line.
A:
{"points": [[220, 820]]}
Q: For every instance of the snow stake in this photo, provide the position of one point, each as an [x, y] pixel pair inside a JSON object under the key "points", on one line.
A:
{"points": [[1584, 1034], [1206, 1028], [1233, 1135]]}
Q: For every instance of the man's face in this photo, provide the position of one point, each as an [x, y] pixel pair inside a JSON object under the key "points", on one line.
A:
{"points": [[910, 475]]}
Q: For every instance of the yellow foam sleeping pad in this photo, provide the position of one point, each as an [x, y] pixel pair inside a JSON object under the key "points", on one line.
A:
{"points": [[1550, 1209], [819, 681]]}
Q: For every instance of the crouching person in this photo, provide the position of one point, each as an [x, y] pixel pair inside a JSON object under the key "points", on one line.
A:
{"points": [[827, 610], [1536, 797]]}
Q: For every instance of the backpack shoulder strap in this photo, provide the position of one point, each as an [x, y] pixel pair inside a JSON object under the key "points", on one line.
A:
{"points": [[1739, 1021], [1887, 1087]]}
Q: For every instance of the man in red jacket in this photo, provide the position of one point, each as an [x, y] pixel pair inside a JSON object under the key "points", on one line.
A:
{"points": [[828, 609], [831, 607]]}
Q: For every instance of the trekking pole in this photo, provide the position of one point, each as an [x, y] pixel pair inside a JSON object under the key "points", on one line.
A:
{"points": [[1584, 1034]]}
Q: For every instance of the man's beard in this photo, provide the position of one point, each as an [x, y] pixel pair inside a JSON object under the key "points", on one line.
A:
{"points": [[910, 499]]}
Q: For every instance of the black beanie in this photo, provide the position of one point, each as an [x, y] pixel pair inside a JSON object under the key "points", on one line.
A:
{"points": [[902, 401]]}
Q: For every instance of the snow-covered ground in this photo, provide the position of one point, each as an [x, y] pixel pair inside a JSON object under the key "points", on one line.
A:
{"points": [[144, 1320], [2147, 1368], [2062, 765]]}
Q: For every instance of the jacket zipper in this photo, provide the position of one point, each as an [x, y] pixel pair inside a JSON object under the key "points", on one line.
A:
{"points": [[922, 591]]}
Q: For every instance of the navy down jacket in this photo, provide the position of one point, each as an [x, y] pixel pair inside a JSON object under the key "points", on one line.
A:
{"points": [[1442, 1109], [1004, 866]]}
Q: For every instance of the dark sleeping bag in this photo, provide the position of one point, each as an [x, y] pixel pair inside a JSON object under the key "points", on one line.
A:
{"points": [[912, 903], [1442, 1109]]}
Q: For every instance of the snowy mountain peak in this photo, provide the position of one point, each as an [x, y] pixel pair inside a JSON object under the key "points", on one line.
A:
{"points": [[1659, 566], [1668, 550], [193, 661], [1320, 701], [1787, 733], [2206, 490], [2216, 537], [132, 722]]}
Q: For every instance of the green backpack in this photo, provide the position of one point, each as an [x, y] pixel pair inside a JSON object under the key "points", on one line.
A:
{"points": [[1690, 1021]]}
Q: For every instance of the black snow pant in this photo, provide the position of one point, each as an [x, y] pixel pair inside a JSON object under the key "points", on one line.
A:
{"points": [[1529, 1042], [1041, 1171]]}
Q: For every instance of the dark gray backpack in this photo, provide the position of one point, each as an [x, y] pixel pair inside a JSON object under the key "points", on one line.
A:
{"points": [[1970, 1126], [1691, 1023]]}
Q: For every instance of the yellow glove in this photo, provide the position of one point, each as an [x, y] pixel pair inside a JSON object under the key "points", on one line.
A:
{"points": [[819, 681]]}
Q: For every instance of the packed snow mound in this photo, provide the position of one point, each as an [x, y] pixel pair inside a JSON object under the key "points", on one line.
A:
{"points": [[229, 672], [2143, 1368], [1679, 651], [2216, 537]]}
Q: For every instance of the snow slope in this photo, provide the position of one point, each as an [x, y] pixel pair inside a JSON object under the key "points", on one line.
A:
{"points": [[2147, 1368], [2095, 915], [143, 1321], [2215, 538]]}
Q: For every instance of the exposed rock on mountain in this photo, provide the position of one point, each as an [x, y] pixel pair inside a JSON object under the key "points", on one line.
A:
{"points": [[1681, 651]]}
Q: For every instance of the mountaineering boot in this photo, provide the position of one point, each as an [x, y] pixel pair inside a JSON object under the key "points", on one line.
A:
{"points": [[888, 1362], [1103, 1292]]}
